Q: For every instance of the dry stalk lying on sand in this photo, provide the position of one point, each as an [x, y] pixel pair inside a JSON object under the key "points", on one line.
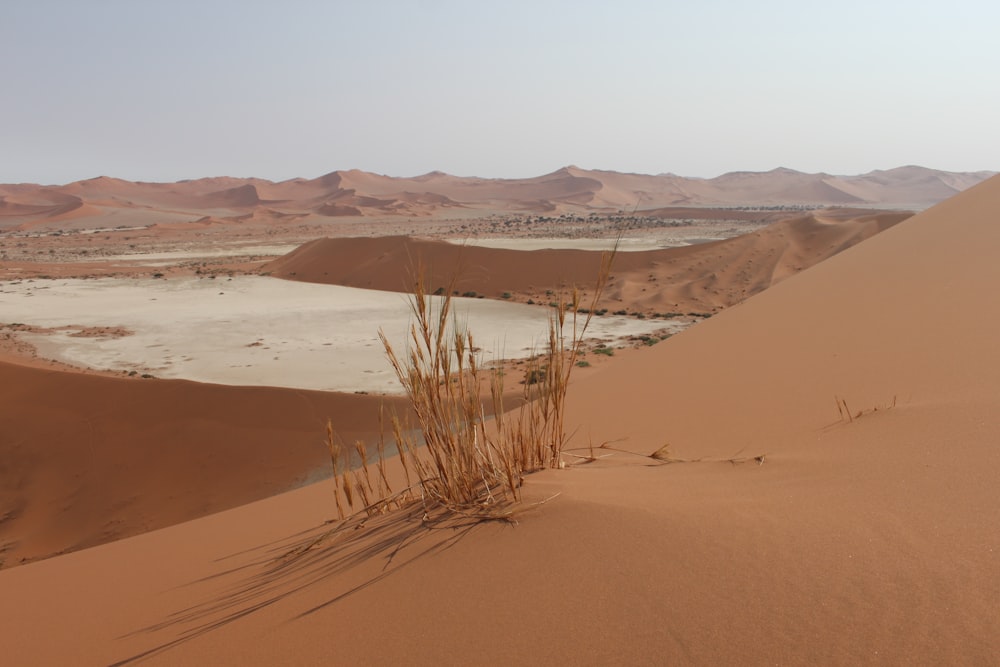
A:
{"points": [[663, 456], [847, 416], [467, 464]]}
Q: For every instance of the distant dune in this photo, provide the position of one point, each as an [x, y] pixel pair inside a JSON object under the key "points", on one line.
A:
{"points": [[110, 201]]}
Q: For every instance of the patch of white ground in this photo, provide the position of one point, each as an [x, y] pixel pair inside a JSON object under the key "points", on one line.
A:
{"points": [[170, 257], [253, 330], [627, 244]]}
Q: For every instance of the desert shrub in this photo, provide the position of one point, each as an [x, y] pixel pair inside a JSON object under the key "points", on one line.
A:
{"points": [[458, 459], [534, 376]]}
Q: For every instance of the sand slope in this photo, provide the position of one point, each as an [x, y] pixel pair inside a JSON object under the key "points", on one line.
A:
{"points": [[89, 459], [703, 277], [869, 540]]}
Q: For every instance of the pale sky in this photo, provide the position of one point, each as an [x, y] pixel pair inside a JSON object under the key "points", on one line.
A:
{"points": [[163, 91]]}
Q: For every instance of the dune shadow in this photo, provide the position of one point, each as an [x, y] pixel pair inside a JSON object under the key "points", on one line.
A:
{"points": [[281, 569]]}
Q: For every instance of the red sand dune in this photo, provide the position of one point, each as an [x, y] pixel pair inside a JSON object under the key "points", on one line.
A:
{"points": [[354, 193], [92, 459], [702, 277], [828, 539]]}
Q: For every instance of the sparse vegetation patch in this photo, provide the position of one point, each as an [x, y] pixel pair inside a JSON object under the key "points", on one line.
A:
{"points": [[459, 458]]}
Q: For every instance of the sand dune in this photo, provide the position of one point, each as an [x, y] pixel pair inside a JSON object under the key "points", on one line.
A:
{"points": [[703, 277], [785, 531], [91, 459], [242, 196], [356, 193], [12, 206]]}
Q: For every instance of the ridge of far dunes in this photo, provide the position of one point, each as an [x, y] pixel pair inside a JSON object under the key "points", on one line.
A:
{"points": [[569, 190]]}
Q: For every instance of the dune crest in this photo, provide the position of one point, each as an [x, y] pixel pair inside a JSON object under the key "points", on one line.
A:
{"points": [[704, 277], [357, 193]]}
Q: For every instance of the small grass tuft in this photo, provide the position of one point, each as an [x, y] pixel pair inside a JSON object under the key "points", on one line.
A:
{"points": [[459, 459]]}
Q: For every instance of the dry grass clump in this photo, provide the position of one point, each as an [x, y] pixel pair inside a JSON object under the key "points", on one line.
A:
{"points": [[459, 458]]}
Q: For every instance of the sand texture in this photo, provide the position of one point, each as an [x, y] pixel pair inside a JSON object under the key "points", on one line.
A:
{"points": [[828, 497]]}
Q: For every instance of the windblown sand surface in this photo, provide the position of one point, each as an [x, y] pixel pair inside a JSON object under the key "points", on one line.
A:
{"points": [[91, 459], [782, 530]]}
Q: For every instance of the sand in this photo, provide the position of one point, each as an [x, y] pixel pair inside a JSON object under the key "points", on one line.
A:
{"points": [[626, 245], [784, 531], [701, 278]]}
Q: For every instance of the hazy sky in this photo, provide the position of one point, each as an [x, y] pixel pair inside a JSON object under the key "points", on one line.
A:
{"points": [[164, 91]]}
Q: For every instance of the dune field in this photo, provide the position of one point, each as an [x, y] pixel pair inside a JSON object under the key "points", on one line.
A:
{"points": [[822, 410], [109, 203]]}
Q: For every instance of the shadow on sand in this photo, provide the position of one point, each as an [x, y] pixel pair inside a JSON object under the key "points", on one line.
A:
{"points": [[279, 570]]}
